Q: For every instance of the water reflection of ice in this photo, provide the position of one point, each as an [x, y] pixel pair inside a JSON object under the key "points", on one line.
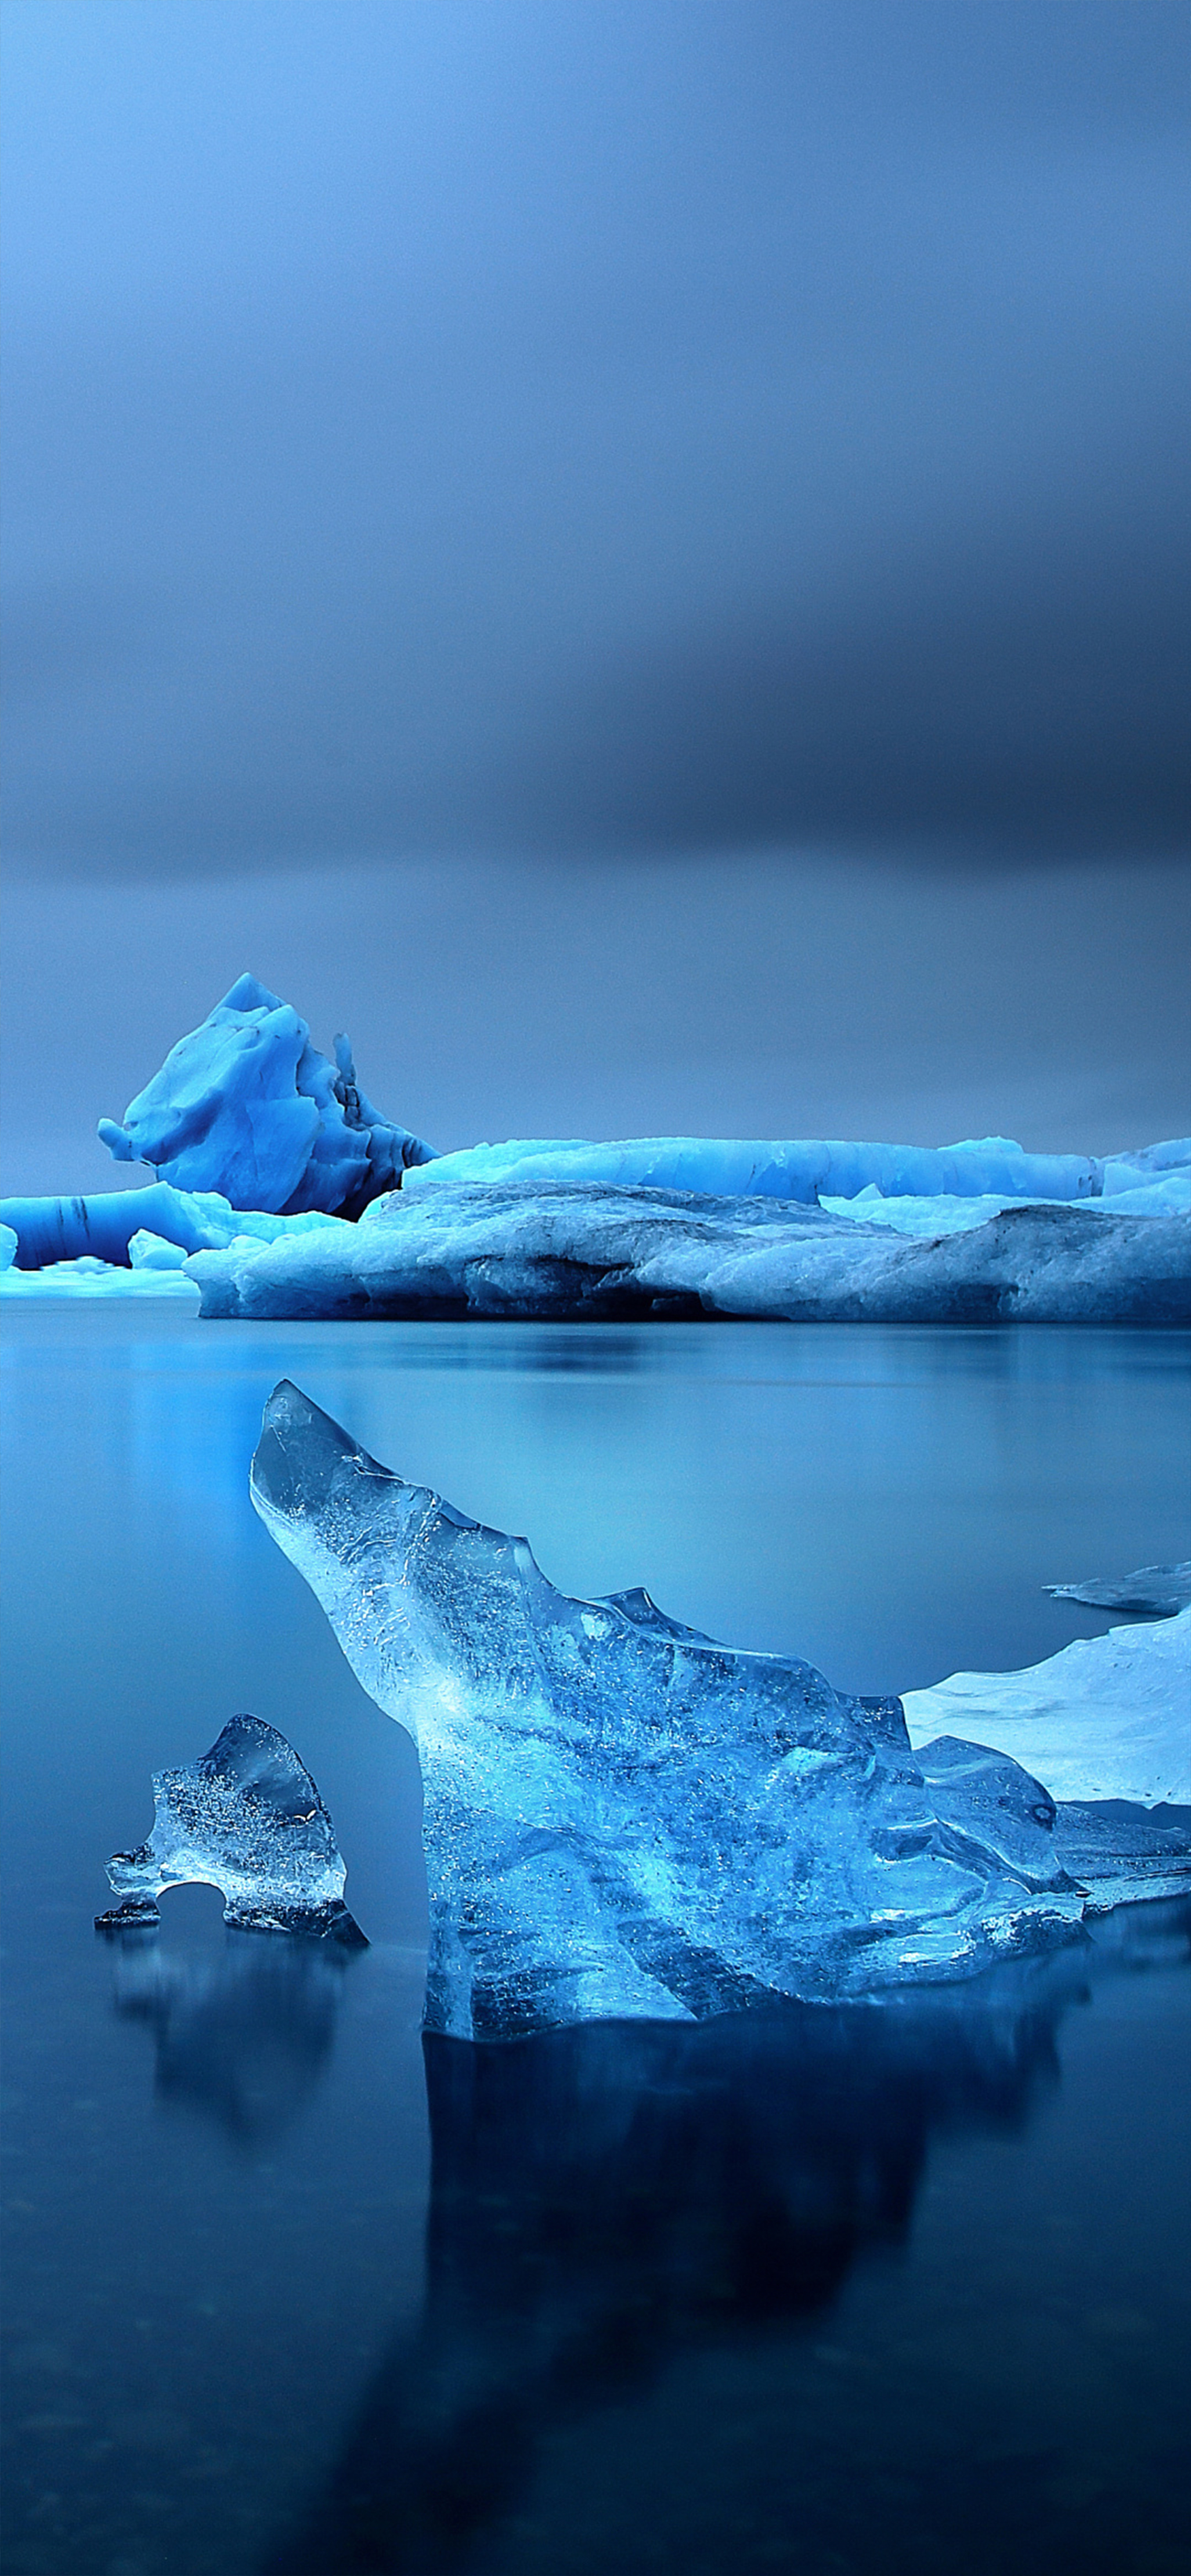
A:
{"points": [[609, 2197], [244, 2036]]}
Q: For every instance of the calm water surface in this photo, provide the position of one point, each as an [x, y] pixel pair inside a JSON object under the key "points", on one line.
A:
{"points": [[872, 2291]]}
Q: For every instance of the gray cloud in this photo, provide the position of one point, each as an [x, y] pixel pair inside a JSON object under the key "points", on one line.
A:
{"points": [[653, 427]]}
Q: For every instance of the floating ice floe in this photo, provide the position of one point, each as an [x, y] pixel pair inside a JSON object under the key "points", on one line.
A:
{"points": [[625, 1819], [1109, 1717], [246, 1818], [1155, 1591], [591, 1249], [247, 1106]]}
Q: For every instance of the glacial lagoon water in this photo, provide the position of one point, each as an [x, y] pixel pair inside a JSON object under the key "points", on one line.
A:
{"points": [[857, 2291]]}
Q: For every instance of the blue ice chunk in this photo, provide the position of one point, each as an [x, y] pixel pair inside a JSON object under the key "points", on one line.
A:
{"points": [[246, 1818], [151, 1252], [1146, 1164], [245, 1105], [104, 1225], [803, 1169], [623, 1818], [8, 1246]]}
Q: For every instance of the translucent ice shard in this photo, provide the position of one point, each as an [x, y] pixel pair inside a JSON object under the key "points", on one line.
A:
{"points": [[246, 1818], [246, 1105], [1155, 1591], [623, 1818]]}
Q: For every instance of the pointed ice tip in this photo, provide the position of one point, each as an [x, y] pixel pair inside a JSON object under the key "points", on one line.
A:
{"points": [[297, 1453], [117, 1139], [248, 994]]}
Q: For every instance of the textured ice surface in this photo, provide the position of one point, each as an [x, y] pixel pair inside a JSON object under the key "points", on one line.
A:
{"points": [[247, 1106], [1109, 1717], [8, 1246], [1169, 1194], [624, 1818], [592, 1249], [1155, 1591], [247, 1819], [801, 1169]]}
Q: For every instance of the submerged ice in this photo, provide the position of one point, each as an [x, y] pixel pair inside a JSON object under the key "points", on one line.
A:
{"points": [[625, 1819], [247, 1106], [246, 1818]]}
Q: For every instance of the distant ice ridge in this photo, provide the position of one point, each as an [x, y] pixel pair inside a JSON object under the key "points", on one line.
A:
{"points": [[246, 1818], [1109, 1717], [624, 1819], [803, 1169], [591, 1248], [245, 1105]]}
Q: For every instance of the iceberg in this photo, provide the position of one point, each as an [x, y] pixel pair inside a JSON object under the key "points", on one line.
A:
{"points": [[1155, 1592], [588, 1249], [1105, 1718], [802, 1169], [624, 1819], [246, 1818], [245, 1105]]}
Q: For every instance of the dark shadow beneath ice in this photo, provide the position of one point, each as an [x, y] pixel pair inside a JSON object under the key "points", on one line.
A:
{"points": [[608, 2198]]}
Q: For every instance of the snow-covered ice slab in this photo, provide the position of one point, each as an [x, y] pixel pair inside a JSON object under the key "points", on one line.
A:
{"points": [[1109, 1717], [246, 1818], [799, 1168], [1154, 1591], [590, 1249], [624, 1819], [246, 1105]]}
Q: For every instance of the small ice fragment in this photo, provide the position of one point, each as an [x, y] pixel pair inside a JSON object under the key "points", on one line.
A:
{"points": [[246, 1818], [1156, 1591], [151, 1252]]}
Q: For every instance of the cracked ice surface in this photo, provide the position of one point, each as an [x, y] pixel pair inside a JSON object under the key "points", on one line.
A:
{"points": [[624, 1818], [245, 1818]]}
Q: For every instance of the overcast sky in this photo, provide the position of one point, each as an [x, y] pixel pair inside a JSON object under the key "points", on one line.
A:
{"points": [[650, 479]]}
